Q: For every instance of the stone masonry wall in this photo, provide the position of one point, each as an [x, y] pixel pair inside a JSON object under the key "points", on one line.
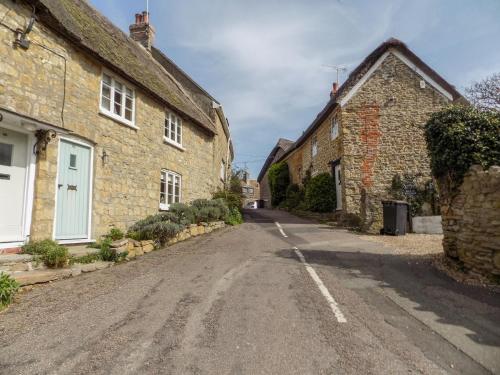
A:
{"points": [[126, 187], [383, 135], [471, 222]]}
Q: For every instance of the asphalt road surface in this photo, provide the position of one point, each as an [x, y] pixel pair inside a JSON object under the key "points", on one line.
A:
{"points": [[263, 298]]}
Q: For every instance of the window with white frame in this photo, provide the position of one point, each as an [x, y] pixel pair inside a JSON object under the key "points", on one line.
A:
{"points": [[335, 128], [173, 129], [222, 170], [170, 189], [117, 100], [314, 146]]}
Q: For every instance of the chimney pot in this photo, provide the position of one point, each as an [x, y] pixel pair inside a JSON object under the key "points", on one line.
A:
{"points": [[142, 32]]}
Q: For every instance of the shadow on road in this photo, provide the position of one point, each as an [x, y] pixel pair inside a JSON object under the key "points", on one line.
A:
{"points": [[473, 308]]}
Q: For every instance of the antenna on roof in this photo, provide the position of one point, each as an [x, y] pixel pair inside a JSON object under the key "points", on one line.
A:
{"points": [[338, 68]]}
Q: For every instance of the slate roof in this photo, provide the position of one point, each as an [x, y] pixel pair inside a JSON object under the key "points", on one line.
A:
{"points": [[283, 144], [86, 28], [359, 72]]}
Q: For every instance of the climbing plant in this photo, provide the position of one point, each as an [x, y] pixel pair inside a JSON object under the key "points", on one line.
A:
{"points": [[279, 179]]}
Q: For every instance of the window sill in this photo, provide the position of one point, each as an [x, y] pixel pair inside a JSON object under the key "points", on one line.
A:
{"points": [[164, 207], [118, 119], [172, 143]]}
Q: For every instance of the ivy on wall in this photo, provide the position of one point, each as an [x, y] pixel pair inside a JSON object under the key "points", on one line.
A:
{"points": [[279, 179]]}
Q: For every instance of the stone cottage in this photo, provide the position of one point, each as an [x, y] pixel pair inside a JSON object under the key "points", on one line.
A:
{"points": [[277, 152], [371, 129], [98, 129]]}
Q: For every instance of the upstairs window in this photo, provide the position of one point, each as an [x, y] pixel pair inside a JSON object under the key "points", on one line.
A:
{"points": [[173, 129], [170, 189], [314, 146], [117, 100], [335, 128]]}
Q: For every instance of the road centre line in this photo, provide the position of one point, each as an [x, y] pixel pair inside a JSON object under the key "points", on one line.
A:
{"points": [[281, 229], [322, 288]]}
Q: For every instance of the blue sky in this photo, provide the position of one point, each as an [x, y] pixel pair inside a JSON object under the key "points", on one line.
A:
{"points": [[264, 60]]}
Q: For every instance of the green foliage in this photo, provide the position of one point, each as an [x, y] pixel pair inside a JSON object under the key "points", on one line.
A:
{"points": [[234, 217], [39, 247], [48, 251], [108, 254], [294, 196], [8, 288], [85, 259], [320, 193], [56, 257], [233, 200], [185, 214], [279, 179], [408, 188], [459, 137], [115, 234]]}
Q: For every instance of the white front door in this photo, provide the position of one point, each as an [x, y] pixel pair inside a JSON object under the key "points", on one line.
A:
{"points": [[13, 181], [338, 186]]}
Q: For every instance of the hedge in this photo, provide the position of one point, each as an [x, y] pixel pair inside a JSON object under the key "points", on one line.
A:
{"points": [[279, 179], [459, 137], [320, 193]]}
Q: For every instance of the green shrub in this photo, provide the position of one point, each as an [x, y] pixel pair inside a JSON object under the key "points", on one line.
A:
{"points": [[320, 193], [459, 137], [85, 259], [234, 217], [8, 288], [185, 214], [279, 179], [294, 196], [115, 234], [56, 257], [39, 247], [50, 252], [232, 199]]}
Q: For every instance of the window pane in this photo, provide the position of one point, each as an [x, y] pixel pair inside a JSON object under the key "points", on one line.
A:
{"points": [[72, 161], [166, 127], [106, 79], [172, 129], [177, 190], [118, 103], [106, 96], [179, 132], [6, 154], [128, 114]]}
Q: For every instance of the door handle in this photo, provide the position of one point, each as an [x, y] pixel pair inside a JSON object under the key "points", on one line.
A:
{"points": [[59, 186], [72, 187]]}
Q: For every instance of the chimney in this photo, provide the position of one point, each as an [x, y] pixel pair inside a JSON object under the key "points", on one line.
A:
{"points": [[335, 88], [141, 31]]}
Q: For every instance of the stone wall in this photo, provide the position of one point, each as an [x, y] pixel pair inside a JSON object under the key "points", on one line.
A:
{"points": [[126, 187], [383, 135], [471, 221]]}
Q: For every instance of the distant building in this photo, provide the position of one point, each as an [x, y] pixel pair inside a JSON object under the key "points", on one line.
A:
{"points": [[371, 129], [276, 153], [251, 191]]}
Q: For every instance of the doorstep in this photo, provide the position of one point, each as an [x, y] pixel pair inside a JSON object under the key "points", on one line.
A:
{"points": [[10, 250]]}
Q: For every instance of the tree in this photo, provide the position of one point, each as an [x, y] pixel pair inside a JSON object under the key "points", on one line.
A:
{"points": [[485, 94]]}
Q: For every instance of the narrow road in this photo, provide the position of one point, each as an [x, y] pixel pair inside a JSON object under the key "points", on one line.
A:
{"points": [[277, 295]]}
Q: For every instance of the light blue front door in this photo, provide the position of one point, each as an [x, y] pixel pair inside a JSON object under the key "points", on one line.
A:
{"points": [[73, 192]]}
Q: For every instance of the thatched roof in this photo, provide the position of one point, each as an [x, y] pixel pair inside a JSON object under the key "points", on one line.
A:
{"points": [[86, 28], [282, 144]]}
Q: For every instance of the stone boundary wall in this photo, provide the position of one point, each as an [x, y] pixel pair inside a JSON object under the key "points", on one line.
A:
{"points": [[471, 222]]}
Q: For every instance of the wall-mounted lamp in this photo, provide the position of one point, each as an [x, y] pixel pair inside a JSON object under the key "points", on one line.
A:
{"points": [[104, 157], [22, 35]]}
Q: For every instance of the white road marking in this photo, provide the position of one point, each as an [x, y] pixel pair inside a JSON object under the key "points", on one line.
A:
{"points": [[333, 304], [281, 229]]}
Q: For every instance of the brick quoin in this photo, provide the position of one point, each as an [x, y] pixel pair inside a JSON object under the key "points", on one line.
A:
{"points": [[370, 134]]}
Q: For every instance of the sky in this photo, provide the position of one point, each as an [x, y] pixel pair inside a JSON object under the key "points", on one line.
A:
{"points": [[269, 61]]}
